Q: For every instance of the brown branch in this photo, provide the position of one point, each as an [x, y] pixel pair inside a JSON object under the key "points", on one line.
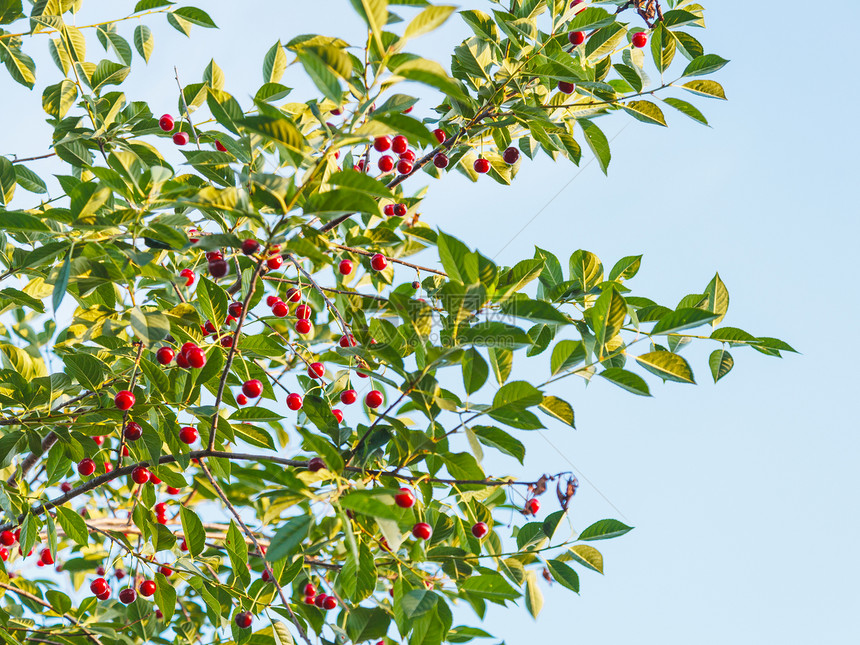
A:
{"points": [[50, 154], [328, 303], [36, 599], [341, 292], [417, 267]]}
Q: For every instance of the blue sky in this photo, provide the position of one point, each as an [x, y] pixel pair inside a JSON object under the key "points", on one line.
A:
{"points": [[743, 495]]}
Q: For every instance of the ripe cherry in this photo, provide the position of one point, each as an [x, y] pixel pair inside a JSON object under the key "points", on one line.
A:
{"points": [[211, 256], [124, 400], [7, 538], [98, 440], [293, 295], [147, 588], [381, 144], [440, 160], [347, 340], [183, 546], [244, 619], [294, 401], [338, 414], [252, 388], [86, 467], [195, 357], [105, 595], [165, 571], [373, 399], [400, 210], [409, 155], [45, 557], [220, 146], [172, 491], [416, 284], [187, 435], [404, 166], [481, 166], [405, 498], [271, 300], [188, 274], [309, 589], [348, 397], [310, 600], [565, 87], [164, 355], [303, 327], [209, 328], [266, 577], [316, 370], [378, 262], [127, 596], [345, 267], [181, 361], [385, 163], [133, 431], [226, 342], [100, 570], [329, 603], [4, 554], [532, 506], [303, 312], [218, 268], [166, 123], [316, 464], [275, 262], [280, 309], [640, 39], [235, 309], [65, 487], [140, 475], [480, 529], [399, 144], [511, 155], [388, 210], [99, 586], [440, 135], [250, 246], [181, 138], [576, 37], [422, 531]]}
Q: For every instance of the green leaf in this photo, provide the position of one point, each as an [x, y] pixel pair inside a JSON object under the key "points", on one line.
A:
{"points": [[58, 99], [28, 180], [566, 354], [475, 370], [431, 18], [193, 531], [109, 73], [711, 89], [274, 64], [558, 408], [280, 129], [604, 530], [20, 66], [721, 363], [629, 381], [598, 143], [430, 73], [62, 281], [213, 302], [734, 335], [534, 597], [607, 317], [196, 16], [289, 537], [587, 556], [8, 181], [59, 601], [407, 126], [703, 65], [375, 503], [687, 108], [521, 394], [563, 574], [626, 268], [144, 41], [590, 18], [73, 525], [718, 298], [375, 14], [165, 596], [667, 365], [680, 319], [150, 327], [645, 111], [500, 440], [490, 586]]}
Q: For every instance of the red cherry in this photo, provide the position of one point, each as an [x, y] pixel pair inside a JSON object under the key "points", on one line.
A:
{"points": [[211, 256], [182, 362], [181, 138], [165, 571], [252, 388], [100, 570], [124, 454], [408, 110], [345, 267], [294, 401], [208, 328], [373, 399], [227, 342], [164, 355], [303, 312], [244, 619], [65, 487], [381, 144], [220, 146], [303, 327], [188, 435], [4, 554], [409, 155], [250, 246], [195, 357], [127, 596], [160, 508], [400, 210], [172, 491], [309, 589], [310, 600], [481, 165], [576, 37], [329, 603], [235, 309], [347, 341], [316, 464], [158, 614], [147, 588], [188, 274], [271, 300], [422, 531], [440, 135], [416, 284], [266, 577], [242, 399], [511, 155], [133, 431], [140, 475], [86, 467], [293, 295], [280, 309], [99, 440], [186, 346], [316, 370], [124, 400], [166, 123], [275, 262], [219, 268], [319, 600], [183, 546], [45, 557], [104, 596], [440, 160], [378, 262], [338, 414], [348, 397], [480, 529], [388, 210], [565, 87], [385, 163], [532, 506], [640, 39], [404, 167], [399, 144], [7, 538], [99, 586], [405, 498]]}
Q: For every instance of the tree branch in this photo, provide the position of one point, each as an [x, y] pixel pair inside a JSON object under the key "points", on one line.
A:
{"points": [[36, 599]]}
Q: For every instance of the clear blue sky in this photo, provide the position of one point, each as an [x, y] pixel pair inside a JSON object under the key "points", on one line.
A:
{"points": [[744, 495]]}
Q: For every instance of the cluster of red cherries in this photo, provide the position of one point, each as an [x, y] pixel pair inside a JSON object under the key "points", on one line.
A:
{"points": [[167, 124]]}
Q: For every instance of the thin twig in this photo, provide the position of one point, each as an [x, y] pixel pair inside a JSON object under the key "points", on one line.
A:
{"points": [[36, 599], [125, 414], [185, 106], [50, 154], [417, 267], [328, 303]]}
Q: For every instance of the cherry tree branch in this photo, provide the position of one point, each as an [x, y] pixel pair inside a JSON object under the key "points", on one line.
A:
{"points": [[36, 599], [328, 303], [417, 267], [185, 106]]}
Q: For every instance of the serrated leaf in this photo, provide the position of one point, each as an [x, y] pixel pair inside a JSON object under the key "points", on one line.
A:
{"points": [[598, 143], [144, 42], [718, 298], [629, 381], [667, 365], [165, 596], [289, 537], [721, 363], [710, 89], [587, 556], [274, 64], [28, 180], [73, 525], [645, 111], [196, 16], [431, 18], [703, 65], [681, 319], [558, 408], [563, 574], [193, 531], [687, 108], [534, 596]]}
